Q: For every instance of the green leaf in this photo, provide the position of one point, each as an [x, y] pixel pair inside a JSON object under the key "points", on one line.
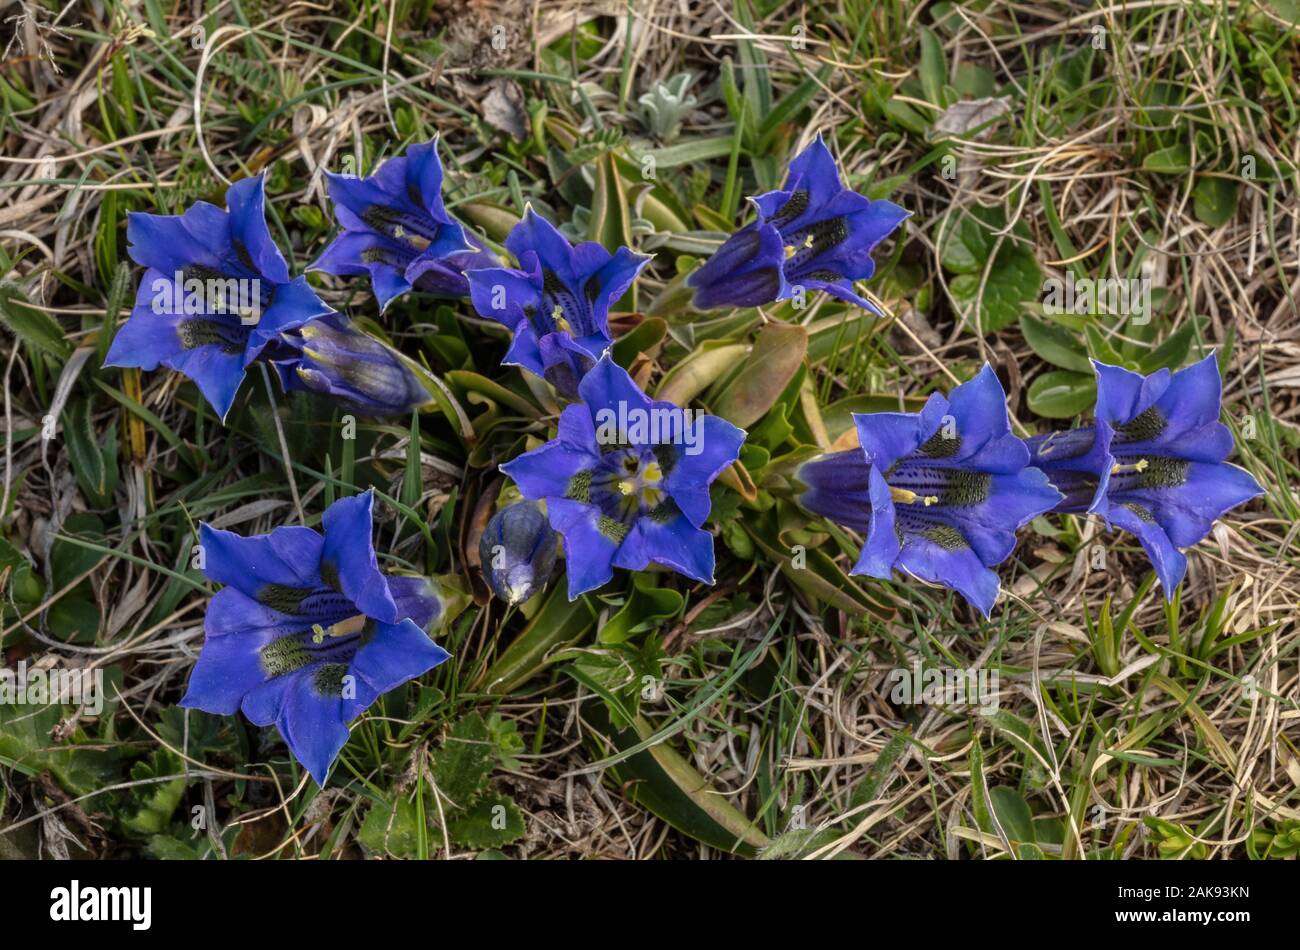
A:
{"points": [[1012, 813], [392, 828], [645, 608], [1054, 344], [776, 357], [157, 801], [1014, 279], [462, 766], [1175, 160], [87, 459], [706, 364], [1214, 200], [494, 820], [933, 68], [1172, 353], [559, 622], [25, 745], [33, 327], [661, 780], [641, 339], [1062, 394], [611, 215]]}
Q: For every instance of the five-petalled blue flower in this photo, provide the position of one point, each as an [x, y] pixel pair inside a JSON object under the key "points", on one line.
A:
{"points": [[308, 632], [812, 234], [216, 295], [557, 302], [947, 488], [397, 230], [626, 482], [1153, 464]]}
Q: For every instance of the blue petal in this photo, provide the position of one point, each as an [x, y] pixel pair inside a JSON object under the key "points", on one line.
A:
{"points": [[502, 293], [1122, 395], [393, 654], [607, 386], [546, 472], [1170, 564], [979, 410], [688, 481], [216, 373], [229, 666], [843, 290], [1187, 512], [246, 200], [349, 554], [589, 554], [417, 599], [534, 233], [148, 338], [813, 170], [677, 544], [605, 277], [1190, 407], [294, 304], [882, 546], [957, 569], [886, 437], [313, 725], [747, 271], [1014, 500], [525, 351], [838, 488], [170, 242], [288, 555]]}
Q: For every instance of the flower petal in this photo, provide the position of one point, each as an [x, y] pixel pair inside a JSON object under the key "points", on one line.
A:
{"points": [[289, 556], [588, 552], [348, 562]]}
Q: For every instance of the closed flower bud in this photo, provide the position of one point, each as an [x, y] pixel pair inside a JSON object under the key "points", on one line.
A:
{"points": [[517, 551], [336, 359]]}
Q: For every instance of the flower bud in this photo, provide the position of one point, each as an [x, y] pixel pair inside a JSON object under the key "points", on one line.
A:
{"points": [[517, 551], [336, 359]]}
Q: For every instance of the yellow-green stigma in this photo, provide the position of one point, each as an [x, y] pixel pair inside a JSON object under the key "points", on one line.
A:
{"points": [[905, 497], [344, 628], [417, 241], [1139, 466]]}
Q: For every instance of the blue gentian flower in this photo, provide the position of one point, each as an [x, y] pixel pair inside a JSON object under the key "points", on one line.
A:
{"points": [[940, 492], [1153, 464], [396, 229], [216, 294], [626, 482], [308, 632], [813, 234], [332, 357], [557, 302], [517, 551]]}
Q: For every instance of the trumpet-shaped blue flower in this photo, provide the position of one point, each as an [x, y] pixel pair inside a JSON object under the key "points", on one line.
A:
{"points": [[216, 293], [626, 482], [813, 234], [1153, 464], [332, 357], [517, 551], [396, 229], [945, 489], [308, 632], [557, 302]]}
